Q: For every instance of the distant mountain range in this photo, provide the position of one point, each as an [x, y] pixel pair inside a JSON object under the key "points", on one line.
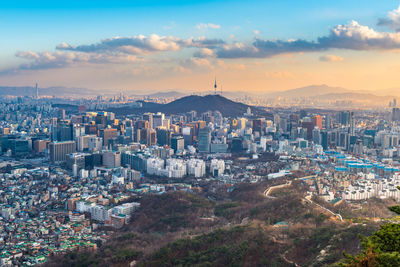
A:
{"points": [[200, 104], [323, 94], [49, 91], [308, 91], [317, 92]]}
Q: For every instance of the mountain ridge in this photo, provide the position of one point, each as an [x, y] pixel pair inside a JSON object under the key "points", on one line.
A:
{"points": [[300, 92], [200, 104]]}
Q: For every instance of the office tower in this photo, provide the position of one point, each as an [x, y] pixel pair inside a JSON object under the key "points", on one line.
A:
{"points": [[188, 134], [277, 121], [61, 114], [141, 124], [395, 114], [256, 125], [93, 160], [352, 124], [204, 138], [324, 140], [191, 115], [201, 124], [345, 117], [218, 118], [130, 133], [158, 120], [163, 136], [328, 122], [40, 145], [53, 129], [85, 142], [142, 135], [37, 91], [77, 130], [243, 121], [91, 129], [207, 117], [112, 159], [177, 143], [149, 117], [110, 116], [317, 121], [308, 126], [60, 150], [20, 145], [108, 134], [316, 136], [101, 119], [95, 143], [136, 161], [152, 138], [65, 132], [166, 123]]}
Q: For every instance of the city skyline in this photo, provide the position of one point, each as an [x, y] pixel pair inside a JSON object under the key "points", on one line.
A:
{"points": [[254, 46]]}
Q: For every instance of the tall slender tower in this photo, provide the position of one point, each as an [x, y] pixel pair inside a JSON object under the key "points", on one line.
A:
{"points": [[215, 86], [37, 91]]}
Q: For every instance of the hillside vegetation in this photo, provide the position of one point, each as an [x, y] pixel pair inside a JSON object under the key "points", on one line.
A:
{"points": [[244, 228]]}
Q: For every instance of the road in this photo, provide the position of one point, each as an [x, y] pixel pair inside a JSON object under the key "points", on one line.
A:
{"points": [[270, 189], [308, 197]]}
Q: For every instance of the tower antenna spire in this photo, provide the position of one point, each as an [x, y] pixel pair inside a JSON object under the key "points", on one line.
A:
{"points": [[215, 85]]}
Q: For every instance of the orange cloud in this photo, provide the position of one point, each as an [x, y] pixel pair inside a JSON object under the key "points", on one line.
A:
{"points": [[331, 58]]}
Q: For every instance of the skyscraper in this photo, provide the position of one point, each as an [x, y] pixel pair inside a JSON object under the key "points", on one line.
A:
{"points": [[149, 117], [108, 134], [177, 143], [317, 121], [36, 91], [158, 120], [60, 150], [204, 138]]}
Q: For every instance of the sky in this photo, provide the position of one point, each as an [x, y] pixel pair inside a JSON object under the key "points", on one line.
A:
{"points": [[251, 46]]}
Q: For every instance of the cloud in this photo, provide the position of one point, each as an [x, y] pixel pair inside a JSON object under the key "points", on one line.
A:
{"points": [[279, 75], [201, 62], [392, 21], [196, 64], [330, 58], [256, 32], [58, 59], [114, 50], [352, 36], [132, 45], [202, 42], [139, 45], [205, 26], [204, 52]]}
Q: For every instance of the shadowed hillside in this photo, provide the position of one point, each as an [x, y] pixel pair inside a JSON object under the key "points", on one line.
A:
{"points": [[201, 104]]}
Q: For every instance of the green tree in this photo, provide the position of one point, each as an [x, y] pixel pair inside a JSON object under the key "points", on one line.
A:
{"points": [[380, 249]]}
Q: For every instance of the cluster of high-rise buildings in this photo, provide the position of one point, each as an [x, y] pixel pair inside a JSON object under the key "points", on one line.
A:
{"points": [[74, 168]]}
